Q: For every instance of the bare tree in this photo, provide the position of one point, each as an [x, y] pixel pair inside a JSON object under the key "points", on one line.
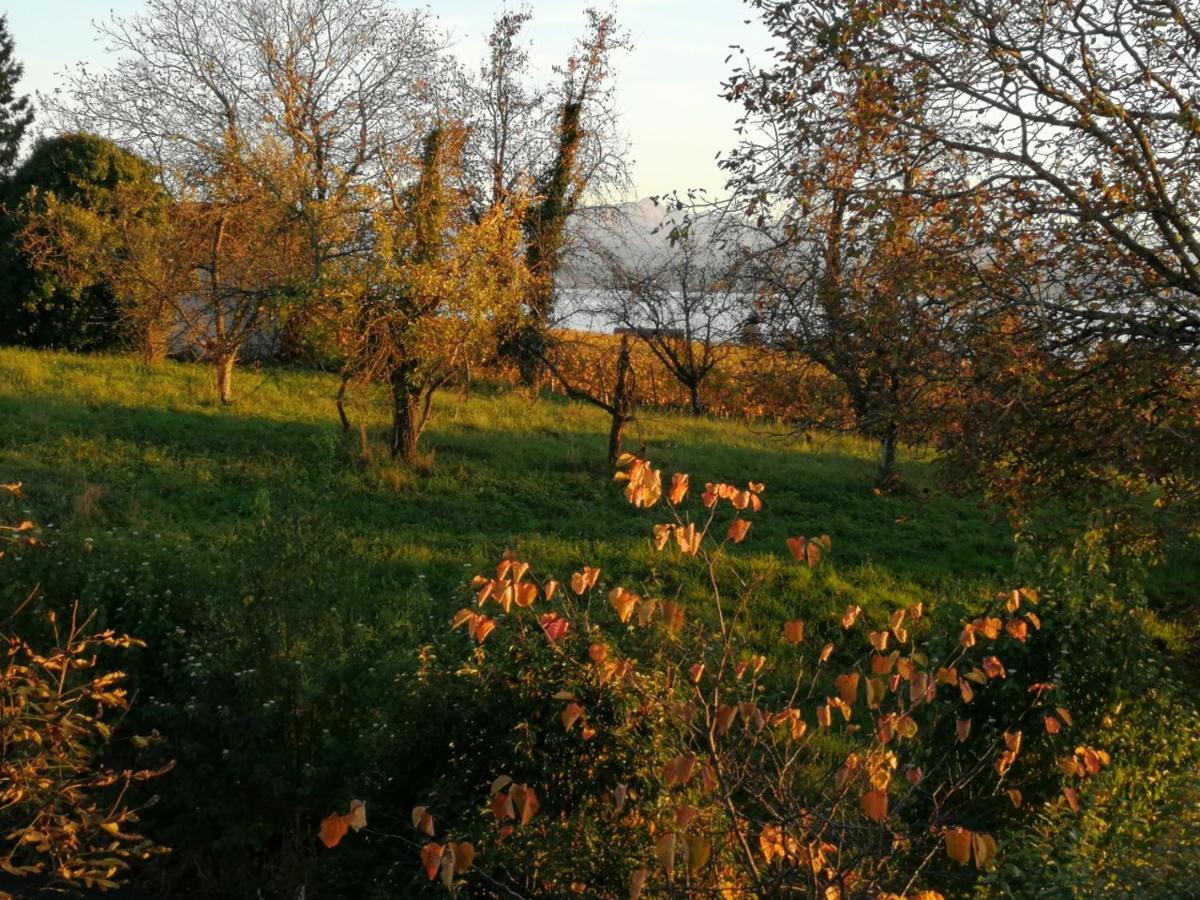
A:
{"points": [[684, 300]]}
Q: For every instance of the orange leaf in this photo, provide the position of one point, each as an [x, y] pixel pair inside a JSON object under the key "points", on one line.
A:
{"points": [[958, 844], [525, 802], [685, 816], [623, 602], [333, 829], [793, 631], [431, 857], [422, 820], [874, 805], [737, 530], [679, 488], [571, 714], [847, 687], [850, 616], [962, 729]]}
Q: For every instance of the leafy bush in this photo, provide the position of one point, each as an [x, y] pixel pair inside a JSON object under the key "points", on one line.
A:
{"points": [[64, 811], [645, 744], [37, 310]]}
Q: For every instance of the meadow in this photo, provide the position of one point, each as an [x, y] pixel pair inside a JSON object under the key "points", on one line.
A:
{"points": [[292, 581]]}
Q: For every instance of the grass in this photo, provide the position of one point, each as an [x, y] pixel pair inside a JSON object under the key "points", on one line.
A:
{"points": [[106, 445], [284, 574]]}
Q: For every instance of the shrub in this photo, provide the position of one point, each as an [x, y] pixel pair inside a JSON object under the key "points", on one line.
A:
{"points": [[65, 814], [617, 743]]}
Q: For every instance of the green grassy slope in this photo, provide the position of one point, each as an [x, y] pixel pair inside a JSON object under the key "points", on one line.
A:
{"points": [[284, 583]]}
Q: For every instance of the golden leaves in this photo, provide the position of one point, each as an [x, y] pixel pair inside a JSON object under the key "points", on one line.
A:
{"points": [[584, 580], [478, 626], [643, 483], [809, 550], [623, 602], [962, 844]]}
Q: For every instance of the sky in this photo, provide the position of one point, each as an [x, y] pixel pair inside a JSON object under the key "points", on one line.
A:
{"points": [[668, 85]]}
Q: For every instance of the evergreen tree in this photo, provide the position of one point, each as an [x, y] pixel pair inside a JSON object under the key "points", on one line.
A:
{"points": [[16, 114]]}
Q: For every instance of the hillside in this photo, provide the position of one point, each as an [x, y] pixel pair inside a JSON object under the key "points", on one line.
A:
{"points": [[293, 584]]}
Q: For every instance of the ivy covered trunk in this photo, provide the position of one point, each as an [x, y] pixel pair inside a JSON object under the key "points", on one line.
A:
{"points": [[406, 411]]}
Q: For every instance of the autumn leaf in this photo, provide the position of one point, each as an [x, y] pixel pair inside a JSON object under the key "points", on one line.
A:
{"points": [[664, 850], [464, 856], [422, 820], [571, 714], [333, 829], [673, 616], [1072, 797], [850, 616], [958, 844], [875, 805], [699, 849], [679, 488], [555, 627], [623, 602], [637, 882], [847, 687], [525, 802], [984, 848], [685, 815], [793, 631], [738, 529], [431, 858]]}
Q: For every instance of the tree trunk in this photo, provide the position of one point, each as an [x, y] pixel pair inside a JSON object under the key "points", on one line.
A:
{"points": [[406, 412], [888, 476], [694, 394], [615, 433], [622, 402], [152, 343], [224, 368]]}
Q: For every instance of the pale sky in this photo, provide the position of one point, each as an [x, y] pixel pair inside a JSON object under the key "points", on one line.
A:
{"points": [[668, 85]]}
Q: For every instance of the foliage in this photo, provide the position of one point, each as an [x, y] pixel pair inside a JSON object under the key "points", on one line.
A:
{"points": [[45, 306], [1080, 120], [285, 584], [442, 286], [688, 755], [64, 810]]}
